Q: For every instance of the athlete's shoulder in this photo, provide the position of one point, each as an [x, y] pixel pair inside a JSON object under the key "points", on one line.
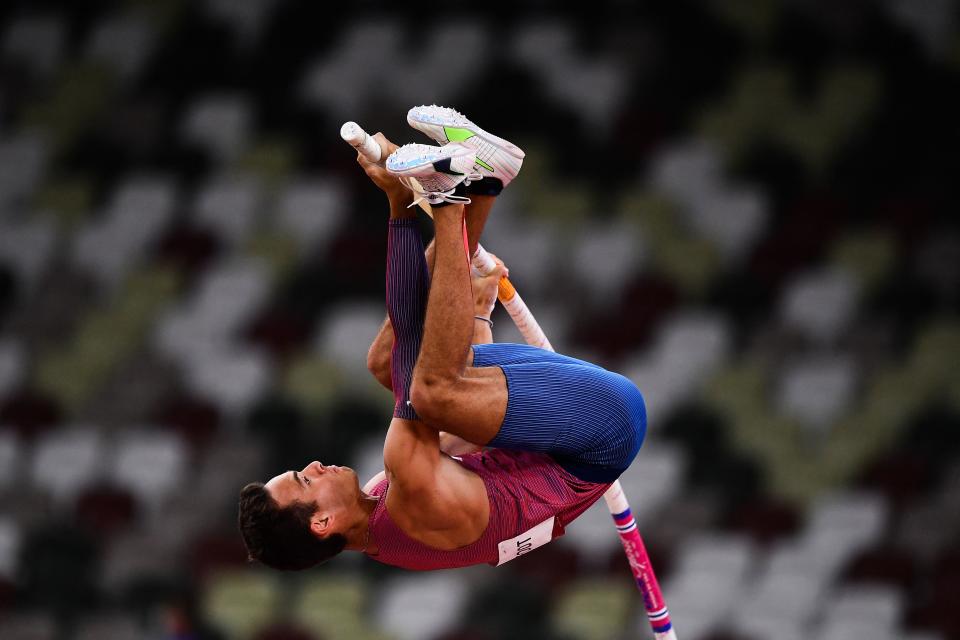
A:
{"points": [[371, 485]]}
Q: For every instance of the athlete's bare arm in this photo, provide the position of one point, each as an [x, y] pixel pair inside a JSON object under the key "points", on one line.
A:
{"points": [[440, 502], [432, 498]]}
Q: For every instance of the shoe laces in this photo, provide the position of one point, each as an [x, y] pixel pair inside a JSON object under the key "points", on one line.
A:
{"points": [[433, 196], [437, 188]]}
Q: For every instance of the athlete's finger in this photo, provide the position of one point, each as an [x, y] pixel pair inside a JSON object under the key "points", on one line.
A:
{"points": [[501, 269], [387, 146]]}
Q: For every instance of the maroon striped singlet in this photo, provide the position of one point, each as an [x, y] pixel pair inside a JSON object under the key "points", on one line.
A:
{"points": [[525, 490]]}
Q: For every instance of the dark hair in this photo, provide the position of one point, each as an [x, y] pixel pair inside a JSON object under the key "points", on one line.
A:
{"points": [[280, 537]]}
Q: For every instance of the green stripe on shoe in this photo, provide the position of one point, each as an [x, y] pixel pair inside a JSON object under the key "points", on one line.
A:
{"points": [[456, 134]]}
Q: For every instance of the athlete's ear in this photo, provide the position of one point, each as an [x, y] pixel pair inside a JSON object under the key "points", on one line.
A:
{"points": [[321, 524]]}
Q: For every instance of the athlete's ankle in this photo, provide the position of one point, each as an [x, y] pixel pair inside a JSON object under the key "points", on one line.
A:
{"points": [[459, 191]]}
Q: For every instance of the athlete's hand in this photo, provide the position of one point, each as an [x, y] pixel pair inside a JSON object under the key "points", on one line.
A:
{"points": [[386, 181], [485, 288]]}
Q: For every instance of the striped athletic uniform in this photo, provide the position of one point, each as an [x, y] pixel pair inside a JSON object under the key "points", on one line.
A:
{"points": [[570, 430], [525, 489]]}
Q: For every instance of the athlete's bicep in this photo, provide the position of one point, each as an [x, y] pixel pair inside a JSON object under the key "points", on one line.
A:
{"points": [[429, 491], [411, 454]]}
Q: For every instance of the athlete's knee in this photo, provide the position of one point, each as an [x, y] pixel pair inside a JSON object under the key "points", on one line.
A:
{"points": [[636, 410], [628, 427], [433, 396]]}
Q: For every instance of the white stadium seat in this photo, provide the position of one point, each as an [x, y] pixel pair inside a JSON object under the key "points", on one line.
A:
{"points": [[820, 304], [784, 594], [343, 79], [730, 217], [420, 75], [28, 246], [12, 366], [115, 241], [346, 334], [689, 347], [731, 556], [224, 301], [840, 524], [421, 606], [150, 464], [875, 605], [687, 170], [233, 378], [220, 123], [67, 461], [10, 539], [311, 211], [229, 205], [605, 259], [817, 391], [123, 43]]}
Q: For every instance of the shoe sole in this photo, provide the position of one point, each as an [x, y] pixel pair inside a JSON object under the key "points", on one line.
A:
{"points": [[444, 131], [424, 155]]}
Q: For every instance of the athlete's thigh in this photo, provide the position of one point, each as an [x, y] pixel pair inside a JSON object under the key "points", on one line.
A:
{"points": [[591, 420]]}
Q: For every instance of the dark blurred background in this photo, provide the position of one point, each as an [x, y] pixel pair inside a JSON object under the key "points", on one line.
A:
{"points": [[747, 206]]}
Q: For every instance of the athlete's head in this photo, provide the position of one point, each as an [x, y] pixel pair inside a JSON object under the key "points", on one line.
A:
{"points": [[298, 519]]}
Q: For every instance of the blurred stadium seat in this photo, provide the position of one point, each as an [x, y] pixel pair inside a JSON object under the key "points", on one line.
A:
{"points": [[35, 41], [66, 461], [420, 606]]}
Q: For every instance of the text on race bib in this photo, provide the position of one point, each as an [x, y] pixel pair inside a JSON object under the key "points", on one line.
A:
{"points": [[526, 541]]}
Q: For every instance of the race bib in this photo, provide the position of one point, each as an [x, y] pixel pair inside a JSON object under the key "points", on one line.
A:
{"points": [[526, 541]]}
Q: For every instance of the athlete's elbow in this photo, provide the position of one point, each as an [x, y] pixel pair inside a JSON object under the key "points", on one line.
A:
{"points": [[378, 365]]}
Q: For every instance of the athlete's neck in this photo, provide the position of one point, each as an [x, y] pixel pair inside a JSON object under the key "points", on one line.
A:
{"points": [[358, 535]]}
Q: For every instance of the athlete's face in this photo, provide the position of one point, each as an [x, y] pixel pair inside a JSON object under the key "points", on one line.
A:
{"points": [[335, 491]]}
